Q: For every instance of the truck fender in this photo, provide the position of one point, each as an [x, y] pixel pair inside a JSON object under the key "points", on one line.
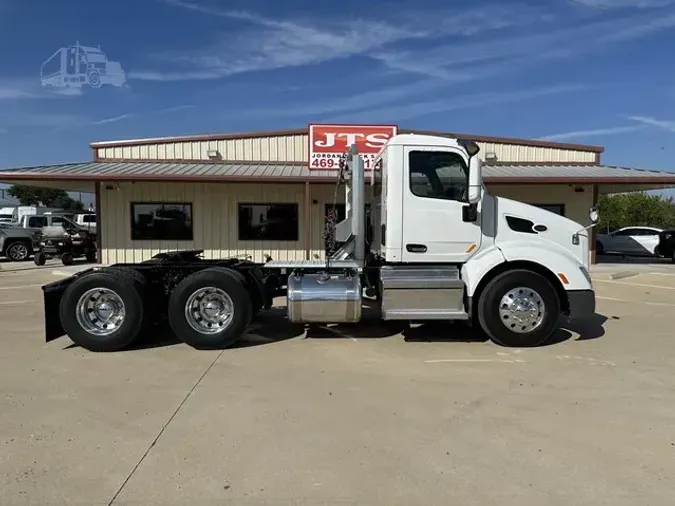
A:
{"points": [[549, 260], [478, 266], [560, 262]]}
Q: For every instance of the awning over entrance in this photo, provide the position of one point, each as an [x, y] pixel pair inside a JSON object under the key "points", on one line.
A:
{"points": [[611, 177]]}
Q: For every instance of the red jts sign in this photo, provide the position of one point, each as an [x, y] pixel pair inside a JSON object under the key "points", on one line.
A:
{"points": [[327, 143]]}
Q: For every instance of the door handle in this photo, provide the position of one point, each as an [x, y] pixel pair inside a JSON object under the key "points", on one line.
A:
{"points": [[416, 248]]}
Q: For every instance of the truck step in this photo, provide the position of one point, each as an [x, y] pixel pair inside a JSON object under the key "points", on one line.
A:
{"points": [[423, 314], [422, 293]]}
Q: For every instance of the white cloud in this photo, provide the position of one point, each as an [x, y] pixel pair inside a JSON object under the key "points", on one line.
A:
{"points": [[68, 92], [502, 54], [265, 44], [623, 4], [648, 120], [16, 89], [593, 133], [416, 109], [112, 120]]}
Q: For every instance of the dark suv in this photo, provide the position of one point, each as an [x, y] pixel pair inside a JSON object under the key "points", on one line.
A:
{"points": [[666, 247]]}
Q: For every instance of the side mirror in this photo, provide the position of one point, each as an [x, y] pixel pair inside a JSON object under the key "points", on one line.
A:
{"points": [[475, 189], [593, 215]]}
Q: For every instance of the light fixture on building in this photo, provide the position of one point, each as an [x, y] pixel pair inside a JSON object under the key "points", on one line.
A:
{"points": [[491, 157], [213, 154]]}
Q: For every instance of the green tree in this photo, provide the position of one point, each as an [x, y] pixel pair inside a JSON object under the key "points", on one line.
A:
{"points": [[49, 197], [631, 209]]}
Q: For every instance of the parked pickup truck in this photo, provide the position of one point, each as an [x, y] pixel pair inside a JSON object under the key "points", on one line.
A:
{"points": [[18, 244], [37, 222]]}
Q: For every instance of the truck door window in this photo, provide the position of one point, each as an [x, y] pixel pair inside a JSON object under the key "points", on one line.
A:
{"points": [[36, 222], [438, 175]]}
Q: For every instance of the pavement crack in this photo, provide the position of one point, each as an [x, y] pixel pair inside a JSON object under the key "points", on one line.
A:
{"points": [[161, 431]]}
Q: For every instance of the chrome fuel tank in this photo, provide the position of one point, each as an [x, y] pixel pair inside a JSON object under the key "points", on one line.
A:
{"points": [[324, 298]]}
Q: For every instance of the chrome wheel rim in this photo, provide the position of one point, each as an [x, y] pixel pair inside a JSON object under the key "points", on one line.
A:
{"points": [[100, 311], [209, 310], [17, 251], [522, 310]]}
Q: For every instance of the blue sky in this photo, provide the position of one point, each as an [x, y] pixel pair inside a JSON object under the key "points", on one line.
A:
{"points": [[583, 71]]}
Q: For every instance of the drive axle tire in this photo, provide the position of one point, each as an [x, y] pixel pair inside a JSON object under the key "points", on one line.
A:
{"points": [[519, 308], [210, 309], [105, 311], [67, 259]]}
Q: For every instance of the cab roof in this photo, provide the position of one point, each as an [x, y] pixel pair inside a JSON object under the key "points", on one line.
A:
{"points": [[422, 140]]}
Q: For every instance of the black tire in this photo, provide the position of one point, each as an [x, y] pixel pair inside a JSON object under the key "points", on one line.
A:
{"points": [[67, 259], [40, 258], [233, 284], [90, 256], [18, 251], [599, 248], [130, 288], [502, 333]]}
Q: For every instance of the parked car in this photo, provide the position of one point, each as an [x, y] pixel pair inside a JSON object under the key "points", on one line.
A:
{"points": [[17, 244], [634, 241], [666, 247]]}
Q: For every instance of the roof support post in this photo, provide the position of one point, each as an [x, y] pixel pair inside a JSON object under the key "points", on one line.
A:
{"points": [[99, 229], [594, 229], [308, 221]]}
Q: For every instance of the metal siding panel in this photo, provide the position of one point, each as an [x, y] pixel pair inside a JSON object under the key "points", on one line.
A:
{"points": [[152, 151], [301, 148], [170, 151]]}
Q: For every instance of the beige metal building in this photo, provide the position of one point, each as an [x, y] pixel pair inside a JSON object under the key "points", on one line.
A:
{"points": [[254, 194]]}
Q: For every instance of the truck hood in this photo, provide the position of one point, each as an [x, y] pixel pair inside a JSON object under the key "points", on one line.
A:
{"points": [[559, 230]]}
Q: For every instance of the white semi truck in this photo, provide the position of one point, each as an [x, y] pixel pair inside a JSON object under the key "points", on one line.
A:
{"points": [[440, 247]]}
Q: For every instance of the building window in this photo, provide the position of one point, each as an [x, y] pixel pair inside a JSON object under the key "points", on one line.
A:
{"points": [[268, 222], [438, 175], [161, 221], [553, 208]]}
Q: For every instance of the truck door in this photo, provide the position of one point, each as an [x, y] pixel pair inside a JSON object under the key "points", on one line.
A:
{"points": [[435, 189]]}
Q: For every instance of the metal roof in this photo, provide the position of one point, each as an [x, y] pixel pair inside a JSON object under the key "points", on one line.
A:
{"points": [[305, 131], [294, 173]]}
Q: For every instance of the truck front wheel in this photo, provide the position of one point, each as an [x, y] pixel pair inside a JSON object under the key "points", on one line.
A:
{"points": [[210, 309], [519, 308], [104, 311]]}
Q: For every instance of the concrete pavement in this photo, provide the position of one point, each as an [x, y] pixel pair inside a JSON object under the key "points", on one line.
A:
{"points": [[354, 415]]}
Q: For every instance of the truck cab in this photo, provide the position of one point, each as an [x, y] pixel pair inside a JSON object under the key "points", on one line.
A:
{"points": [[435, 224]]}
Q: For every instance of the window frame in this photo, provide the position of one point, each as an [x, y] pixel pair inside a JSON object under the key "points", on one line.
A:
{"points": [[132, 219], [464, 165], [296, 207]]}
